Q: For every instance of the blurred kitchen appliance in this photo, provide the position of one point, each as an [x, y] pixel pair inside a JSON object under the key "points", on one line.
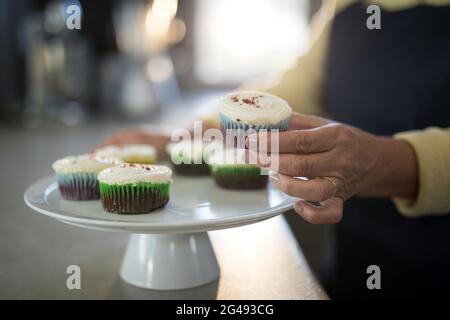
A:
{"points": [[58, 68], [142, 73], [11, 59]]}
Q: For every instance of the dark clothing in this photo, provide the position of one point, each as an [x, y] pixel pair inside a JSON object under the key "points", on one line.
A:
{"points": [[387, 81]]}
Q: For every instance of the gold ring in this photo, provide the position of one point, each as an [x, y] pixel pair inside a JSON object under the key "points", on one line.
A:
{"points": [[333, 184]]}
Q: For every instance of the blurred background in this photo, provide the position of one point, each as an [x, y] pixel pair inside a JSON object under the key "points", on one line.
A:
{"points": [[64, 90], [132, 59]]}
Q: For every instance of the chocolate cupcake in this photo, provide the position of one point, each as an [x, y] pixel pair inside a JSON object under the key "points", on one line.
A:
{"points": [[242, 113], [130, 153], [188, 158], [230, 171], [77, 175], [134, 188]]}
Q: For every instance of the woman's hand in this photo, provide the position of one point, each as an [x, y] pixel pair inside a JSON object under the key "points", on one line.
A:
{"points": [[340, 161]]}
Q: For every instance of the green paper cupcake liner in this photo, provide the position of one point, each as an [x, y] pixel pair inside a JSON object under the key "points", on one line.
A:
{"points": [[134, 198], [235, 170], [239, 177]]}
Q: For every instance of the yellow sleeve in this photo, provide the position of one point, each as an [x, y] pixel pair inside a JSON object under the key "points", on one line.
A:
{"points": [[432, 147]]}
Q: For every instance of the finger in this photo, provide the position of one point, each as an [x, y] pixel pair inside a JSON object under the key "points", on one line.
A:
{"points": [[329, 212], [301, 121], [312, 165], [294, 165], [297, 141], [311, 190]]}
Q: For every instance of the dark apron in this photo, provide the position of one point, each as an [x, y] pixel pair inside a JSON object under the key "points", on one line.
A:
{"points": [[386, 81]]}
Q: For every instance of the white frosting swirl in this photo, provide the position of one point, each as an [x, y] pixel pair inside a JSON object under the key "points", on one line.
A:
{"points": [[87, 163], [134, 173], [255, 108], [129, 152]]}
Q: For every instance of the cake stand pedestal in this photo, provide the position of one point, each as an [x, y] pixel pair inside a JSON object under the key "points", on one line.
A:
{"points": [[169, 262], [168, 249]]}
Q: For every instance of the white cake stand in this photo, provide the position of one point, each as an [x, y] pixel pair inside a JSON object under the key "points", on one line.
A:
{"points": [[168, 249]]}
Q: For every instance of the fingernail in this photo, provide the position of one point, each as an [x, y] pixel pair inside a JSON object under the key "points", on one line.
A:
{"points": [[298, 206]]}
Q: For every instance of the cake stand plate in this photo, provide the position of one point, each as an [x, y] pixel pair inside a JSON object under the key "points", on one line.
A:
{"points": [[169, 248]]}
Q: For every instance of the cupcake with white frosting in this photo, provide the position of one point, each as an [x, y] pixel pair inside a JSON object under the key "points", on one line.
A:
{"points": [[134, 188], [188, 157], [77, 175], [232, 170], [254, 110], [130, 153]]}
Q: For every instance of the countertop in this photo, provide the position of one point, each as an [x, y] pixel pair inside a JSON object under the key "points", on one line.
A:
{"points": [[260, 261]]}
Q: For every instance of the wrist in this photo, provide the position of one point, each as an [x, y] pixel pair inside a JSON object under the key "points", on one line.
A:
{"points": [[395, 173]]}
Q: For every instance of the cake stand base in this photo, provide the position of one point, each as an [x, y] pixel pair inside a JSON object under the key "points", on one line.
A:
{"points": [[169, 261]]}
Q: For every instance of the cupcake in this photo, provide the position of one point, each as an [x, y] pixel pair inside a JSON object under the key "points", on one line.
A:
{"points": [[130, 153], [188, 157], [257, 111], [77, 175], [134, 188], [230, 170]]}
